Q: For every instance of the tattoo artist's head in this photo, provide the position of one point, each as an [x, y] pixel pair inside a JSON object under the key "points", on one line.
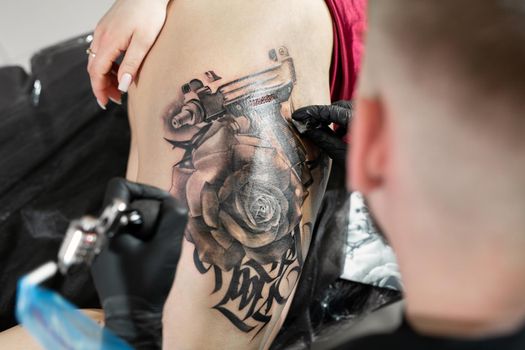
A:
{"points": [[438, 148]]}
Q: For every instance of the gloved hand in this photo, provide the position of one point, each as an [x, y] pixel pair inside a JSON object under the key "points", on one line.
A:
{"points": [[134, 276], [313, 122]]}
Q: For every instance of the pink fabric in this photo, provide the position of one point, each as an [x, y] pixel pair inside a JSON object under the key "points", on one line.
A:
{"points": [[349, 22]]}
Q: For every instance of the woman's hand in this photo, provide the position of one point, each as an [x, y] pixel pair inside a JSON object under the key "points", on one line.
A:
{"points": [[129, 27]]}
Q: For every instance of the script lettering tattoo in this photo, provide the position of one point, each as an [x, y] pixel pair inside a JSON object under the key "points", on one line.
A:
{"points": [[244, 175]]}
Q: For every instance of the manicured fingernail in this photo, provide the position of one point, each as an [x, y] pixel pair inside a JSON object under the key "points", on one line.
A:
{"points": [[125, 82], [119, 101], [101, 105]]}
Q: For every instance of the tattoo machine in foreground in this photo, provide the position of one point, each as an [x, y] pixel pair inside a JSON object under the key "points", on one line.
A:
{"points": [[53, 321], [244, 175]]}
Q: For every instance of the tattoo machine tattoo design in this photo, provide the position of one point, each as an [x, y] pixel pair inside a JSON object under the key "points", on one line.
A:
{"points": [[244, 176]]}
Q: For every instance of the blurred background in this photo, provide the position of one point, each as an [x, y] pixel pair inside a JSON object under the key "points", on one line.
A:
{"points": [[29, 25]]}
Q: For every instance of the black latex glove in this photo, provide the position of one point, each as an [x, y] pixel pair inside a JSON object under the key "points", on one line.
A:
{"points": [[133, 276], [313, 122]]}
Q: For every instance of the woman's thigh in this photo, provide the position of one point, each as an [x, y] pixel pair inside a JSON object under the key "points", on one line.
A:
{"points": [[211, 119]]}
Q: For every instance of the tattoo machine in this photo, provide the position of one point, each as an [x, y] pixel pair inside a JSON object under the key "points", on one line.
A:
{"points": [[52, 320]]}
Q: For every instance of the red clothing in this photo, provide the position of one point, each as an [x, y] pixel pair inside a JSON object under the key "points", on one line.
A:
{"points": [[348, 18]]}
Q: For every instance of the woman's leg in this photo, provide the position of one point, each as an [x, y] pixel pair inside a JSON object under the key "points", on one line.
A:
{"points": [[211, 112]]}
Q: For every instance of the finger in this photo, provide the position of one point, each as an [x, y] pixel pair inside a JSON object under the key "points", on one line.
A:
{"points": [[137, 50], [99, 87], [124, 243], [334, 114], [174, 218], [327, 141], [113, 93], [105, 264], [107, 91], [141, 191], [306, 118], [103, 88], [306, 113], [127, 191], [111, 89], [107, 50], [322, 114], [100, 66], [348, 104]]}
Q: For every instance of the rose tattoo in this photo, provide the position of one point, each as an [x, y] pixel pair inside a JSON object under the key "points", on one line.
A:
{"points": [[244, 177], [248, 209]]}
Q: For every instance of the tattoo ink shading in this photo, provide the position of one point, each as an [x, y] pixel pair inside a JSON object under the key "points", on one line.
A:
{"points": [[244, 176]]}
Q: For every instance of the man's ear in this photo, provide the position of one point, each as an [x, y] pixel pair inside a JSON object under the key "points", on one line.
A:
{"points": [[367, 156]]}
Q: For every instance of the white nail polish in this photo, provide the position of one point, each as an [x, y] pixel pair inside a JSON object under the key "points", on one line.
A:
{"points": [[119, 102], [101, 105], [125, 82]]}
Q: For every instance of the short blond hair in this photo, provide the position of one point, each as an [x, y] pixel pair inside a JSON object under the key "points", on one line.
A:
{"points": [[461, 61], [474, 48]]}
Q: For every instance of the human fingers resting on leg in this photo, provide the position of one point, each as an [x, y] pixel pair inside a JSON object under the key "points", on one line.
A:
{"points": [[129, 27]]}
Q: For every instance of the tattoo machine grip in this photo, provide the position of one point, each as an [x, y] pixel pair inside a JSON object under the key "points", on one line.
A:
{"points": [[87, 236]]}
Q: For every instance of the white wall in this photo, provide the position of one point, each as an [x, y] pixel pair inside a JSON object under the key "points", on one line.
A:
{"points": [[28, 25]]}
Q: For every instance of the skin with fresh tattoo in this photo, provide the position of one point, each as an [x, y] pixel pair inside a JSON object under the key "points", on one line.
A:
{"points": [[252, 206], [210, 115], [244, 176]]}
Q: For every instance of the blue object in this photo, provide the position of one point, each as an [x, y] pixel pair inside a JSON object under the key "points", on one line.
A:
{"points": [[57, 324]]}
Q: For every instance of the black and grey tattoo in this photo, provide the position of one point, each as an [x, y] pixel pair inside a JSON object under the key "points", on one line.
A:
{"points": [[244, 176]]}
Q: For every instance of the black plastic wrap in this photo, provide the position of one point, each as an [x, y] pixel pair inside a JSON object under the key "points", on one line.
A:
{"points": [[323, 300], [58, 149]]}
